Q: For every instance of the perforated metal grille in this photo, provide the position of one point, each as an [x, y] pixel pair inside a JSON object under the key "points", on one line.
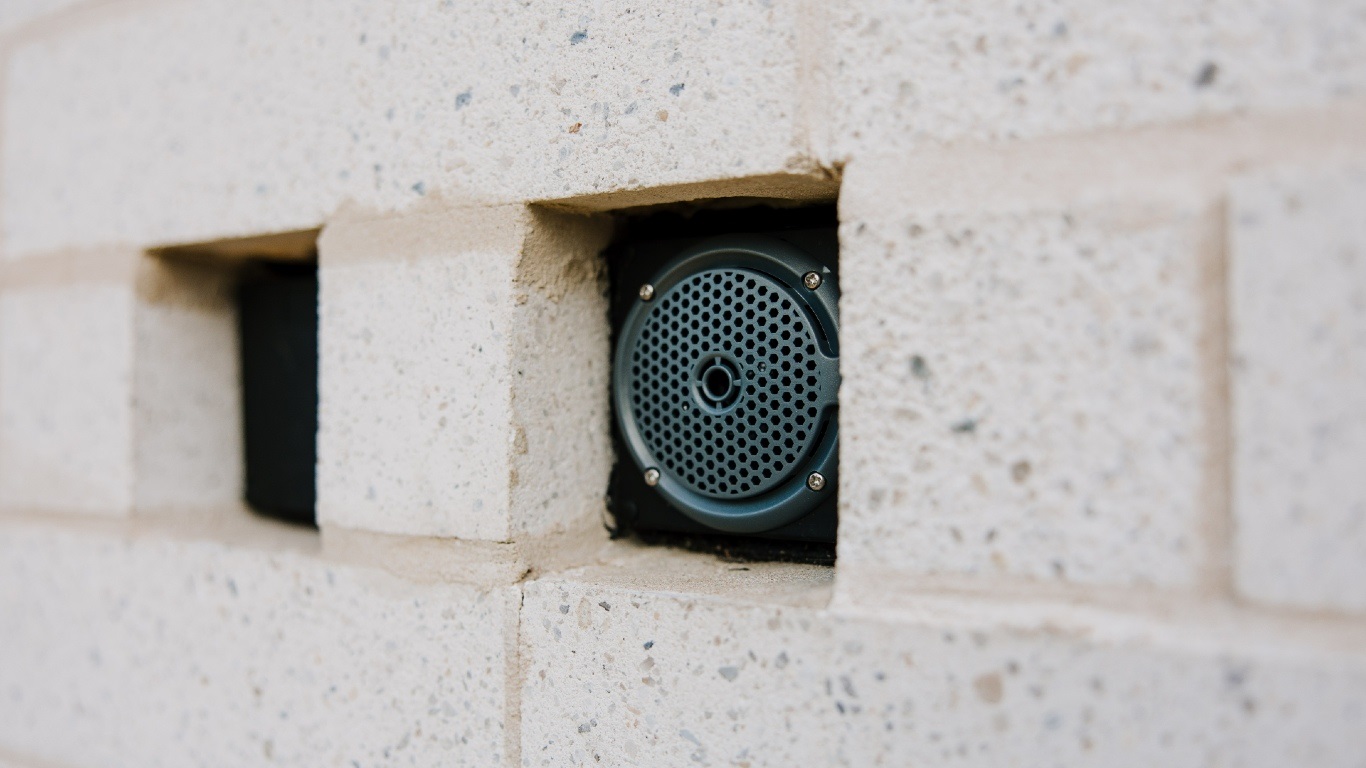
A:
{"points": [[722, 446]]}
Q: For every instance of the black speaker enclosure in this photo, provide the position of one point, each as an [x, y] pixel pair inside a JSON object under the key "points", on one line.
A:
{"points": [[278, 335], [758, 311]]}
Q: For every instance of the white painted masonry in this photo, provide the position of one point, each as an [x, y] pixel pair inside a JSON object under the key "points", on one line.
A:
{"points": [[1103, 410]]}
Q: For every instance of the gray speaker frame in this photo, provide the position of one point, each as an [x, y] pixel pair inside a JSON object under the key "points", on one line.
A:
{"points": [[787, 264]]}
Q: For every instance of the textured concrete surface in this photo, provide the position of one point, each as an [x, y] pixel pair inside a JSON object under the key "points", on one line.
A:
{"points": [[900, 75], [630, 671], [66, 397], [559, 374], [116, 128], [155, 651], [448, 406], [1022, 387], [1102, 404], [120, 386], [1297, 264], [14, 14], [187, 430], [414, 405]]}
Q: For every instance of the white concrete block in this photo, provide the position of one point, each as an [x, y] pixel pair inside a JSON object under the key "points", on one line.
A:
{"points": [[621, 673], [66, 378], [463, 373], [151, 651], [190, 121], [187, 390], [1022, 384], [1297, 265], [119, 386], [900, 75], [930, 694], [414, 403], [560, 375], [15, 14]]}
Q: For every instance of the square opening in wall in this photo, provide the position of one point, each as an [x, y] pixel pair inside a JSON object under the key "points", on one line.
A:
{"points": [[725, 377], [261, 295]]}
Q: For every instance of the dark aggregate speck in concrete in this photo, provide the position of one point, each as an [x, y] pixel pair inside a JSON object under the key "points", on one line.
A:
{"points": [[1207, 75]]}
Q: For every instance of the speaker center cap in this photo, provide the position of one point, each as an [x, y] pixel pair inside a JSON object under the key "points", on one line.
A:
{"points": [[717, 382]]}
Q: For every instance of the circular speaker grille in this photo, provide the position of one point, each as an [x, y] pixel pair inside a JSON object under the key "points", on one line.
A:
{"points": [[725, 384]]}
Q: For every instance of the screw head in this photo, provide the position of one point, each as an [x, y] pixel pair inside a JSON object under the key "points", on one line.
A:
{"points": [[815, 481], [812, 280], [647, 292], [652, 477]]}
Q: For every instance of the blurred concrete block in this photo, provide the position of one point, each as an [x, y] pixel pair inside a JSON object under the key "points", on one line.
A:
{"points": [[66, 396], [635, 663], [463, 373], [1298, 302], [153, 651], [902, 75], [1023, 389]]}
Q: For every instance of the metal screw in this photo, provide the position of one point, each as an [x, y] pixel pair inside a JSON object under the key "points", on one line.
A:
{"points": [[647, 292], [652, 477], [815, 481], [813, 281]]}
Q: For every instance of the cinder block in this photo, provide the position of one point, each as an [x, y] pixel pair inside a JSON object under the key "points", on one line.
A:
{"points": [[187, 417], [152, 651], [622, 672], [66, 395], [463, 373], [1148, 694], [119, 386], [560, 366], [14, 14], [1297, 266], [381, 106], [1023, 382], [900, 75]]}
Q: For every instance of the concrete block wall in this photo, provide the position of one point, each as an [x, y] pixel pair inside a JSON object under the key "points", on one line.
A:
{"points": [[1104, 313], [1299, 407]]}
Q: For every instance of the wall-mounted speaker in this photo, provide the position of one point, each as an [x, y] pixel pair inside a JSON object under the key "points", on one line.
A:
{"points": [[725, 384]]}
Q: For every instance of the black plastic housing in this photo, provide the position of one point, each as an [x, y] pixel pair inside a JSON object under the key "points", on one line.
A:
{"points": [[278, 336], [643, 246]]}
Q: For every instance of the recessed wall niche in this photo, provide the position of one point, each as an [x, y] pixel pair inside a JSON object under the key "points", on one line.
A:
{"points": [[227, 374]]}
